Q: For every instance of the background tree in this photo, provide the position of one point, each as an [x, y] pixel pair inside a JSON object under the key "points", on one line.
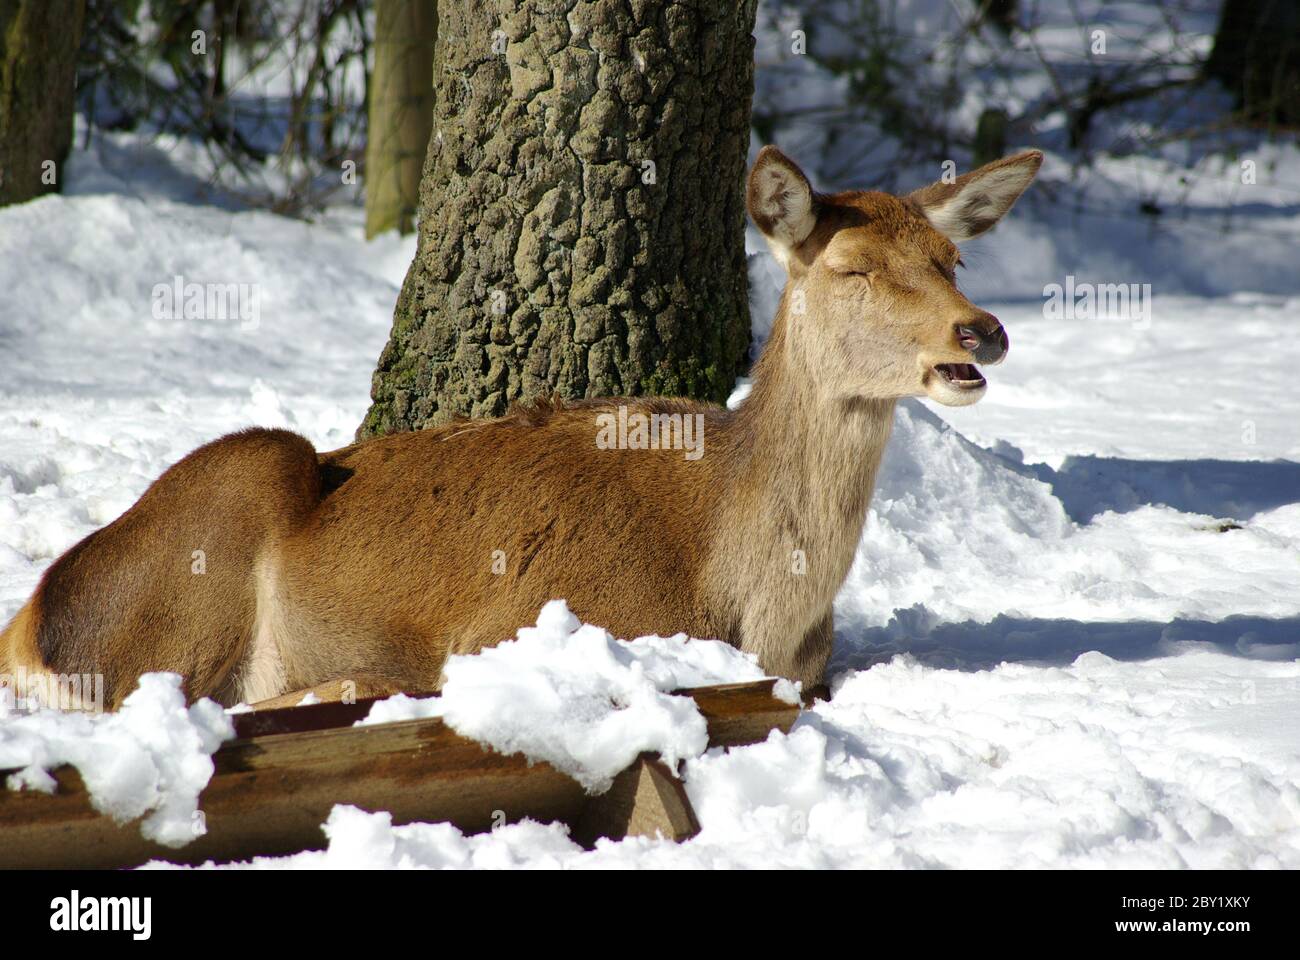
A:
{"points": [[38, 69], [581, 209], [1257, 56], [274, 90], [401, 112]]}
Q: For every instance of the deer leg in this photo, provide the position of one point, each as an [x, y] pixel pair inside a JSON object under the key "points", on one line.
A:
{"points": [[813, 654]]}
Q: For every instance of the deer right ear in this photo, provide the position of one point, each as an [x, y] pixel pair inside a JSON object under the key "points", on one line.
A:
{"points": [[975, 201], [780, 201]]}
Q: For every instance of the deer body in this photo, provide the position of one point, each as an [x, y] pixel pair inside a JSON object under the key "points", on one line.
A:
{"points": [[377, 561]]}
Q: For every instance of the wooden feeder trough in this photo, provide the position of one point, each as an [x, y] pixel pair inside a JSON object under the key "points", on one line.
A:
{"points": [[275, 784]]}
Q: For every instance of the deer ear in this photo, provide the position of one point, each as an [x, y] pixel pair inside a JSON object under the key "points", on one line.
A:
{"points": [[780, 201], [975, 201]]}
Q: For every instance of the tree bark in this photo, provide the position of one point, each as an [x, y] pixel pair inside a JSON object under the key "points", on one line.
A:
{"points": [[581, 210], [1257, 57], [401, 112], [39, 40]]}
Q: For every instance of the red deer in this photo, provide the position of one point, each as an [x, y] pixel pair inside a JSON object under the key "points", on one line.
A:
{"points": [[373, 563]]}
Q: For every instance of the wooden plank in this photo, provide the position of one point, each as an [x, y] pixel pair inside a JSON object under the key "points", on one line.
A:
{"points": [[274, 786], [646, 800], [742, 713], [269, 795]]}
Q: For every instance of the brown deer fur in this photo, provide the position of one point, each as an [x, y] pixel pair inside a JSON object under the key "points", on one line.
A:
{"points": [[374, 562]]}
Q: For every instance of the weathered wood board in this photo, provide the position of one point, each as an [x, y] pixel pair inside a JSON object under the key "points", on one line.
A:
{"points": [[274, 786]]}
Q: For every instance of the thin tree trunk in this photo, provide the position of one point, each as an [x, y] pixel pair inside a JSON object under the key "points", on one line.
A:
{"points": [[401, 112], [582, 210], [39, 40]]}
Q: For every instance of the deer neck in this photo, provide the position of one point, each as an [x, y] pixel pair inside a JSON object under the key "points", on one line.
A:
{"points": [[802, 469]]}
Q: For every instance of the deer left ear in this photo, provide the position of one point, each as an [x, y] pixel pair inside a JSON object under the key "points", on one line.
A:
{"points": [[780, 201], [975, 201]]}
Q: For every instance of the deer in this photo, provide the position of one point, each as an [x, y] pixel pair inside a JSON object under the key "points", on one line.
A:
{"points": [[363, 569]]}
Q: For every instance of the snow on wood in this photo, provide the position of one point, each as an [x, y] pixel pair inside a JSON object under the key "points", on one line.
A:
{"points": [[277, 782]]}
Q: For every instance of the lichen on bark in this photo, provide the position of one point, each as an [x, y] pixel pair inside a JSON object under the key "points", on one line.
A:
{"points": [[582, 216]]}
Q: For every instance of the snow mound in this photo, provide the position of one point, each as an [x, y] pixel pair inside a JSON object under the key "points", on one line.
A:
{"points": [[961, 535], [1084, 766], [572, 695], [153, 756]]}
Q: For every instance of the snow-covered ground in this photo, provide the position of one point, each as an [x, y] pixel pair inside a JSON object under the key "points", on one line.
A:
{"points": [[1072, 636], [1054, 649]]}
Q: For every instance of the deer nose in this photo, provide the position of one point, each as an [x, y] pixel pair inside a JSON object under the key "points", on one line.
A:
{"points": [[989, 346]]}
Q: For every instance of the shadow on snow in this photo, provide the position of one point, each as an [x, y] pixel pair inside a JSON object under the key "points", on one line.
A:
{"points": [[980, 646]]}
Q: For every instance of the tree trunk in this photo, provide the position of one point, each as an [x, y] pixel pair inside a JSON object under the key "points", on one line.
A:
{"points": [[1257, 57], [581, 211], [38, 76], [401, 112]]}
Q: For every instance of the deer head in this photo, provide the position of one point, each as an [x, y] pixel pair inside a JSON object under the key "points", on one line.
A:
{"points": [[871, 304]]}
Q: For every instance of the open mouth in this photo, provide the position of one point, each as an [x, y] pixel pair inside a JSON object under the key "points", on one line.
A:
{"points": [[963, 376]]}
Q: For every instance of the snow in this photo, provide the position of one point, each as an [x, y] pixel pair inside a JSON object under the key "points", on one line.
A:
{"points": [[969, 535], [151, 758], [1071, 636], [360, 840], [572, 695]]}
